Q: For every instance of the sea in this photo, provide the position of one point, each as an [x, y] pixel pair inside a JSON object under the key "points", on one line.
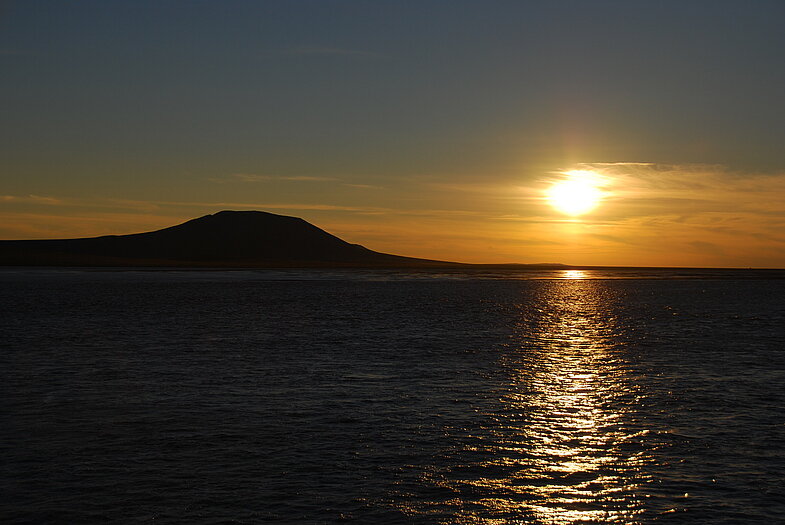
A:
{"points": [[136, 396]]}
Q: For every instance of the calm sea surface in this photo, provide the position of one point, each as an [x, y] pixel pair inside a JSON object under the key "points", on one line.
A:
{"points": [[392, 397]]}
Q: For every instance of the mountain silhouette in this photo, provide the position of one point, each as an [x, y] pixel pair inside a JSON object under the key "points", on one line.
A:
{"points": [[223, 239]]}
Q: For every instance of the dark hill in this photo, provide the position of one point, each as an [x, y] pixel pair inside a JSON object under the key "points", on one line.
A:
{"points": [[224, 239]]}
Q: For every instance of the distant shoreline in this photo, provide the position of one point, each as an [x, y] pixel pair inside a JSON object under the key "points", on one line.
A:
{"points": [[463, 272]]}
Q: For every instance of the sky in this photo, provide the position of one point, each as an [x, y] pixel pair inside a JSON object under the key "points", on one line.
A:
{"points": [[429, 129]]}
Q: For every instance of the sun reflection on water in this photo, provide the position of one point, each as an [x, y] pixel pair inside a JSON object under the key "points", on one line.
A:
{"points": [[577, 404], [564, 447]]}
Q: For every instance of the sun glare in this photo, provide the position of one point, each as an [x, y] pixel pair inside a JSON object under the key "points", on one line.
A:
{"points": [[577, 194]]}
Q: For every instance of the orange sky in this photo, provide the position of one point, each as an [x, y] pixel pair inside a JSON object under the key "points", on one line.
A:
{"points": [[650, 215]]}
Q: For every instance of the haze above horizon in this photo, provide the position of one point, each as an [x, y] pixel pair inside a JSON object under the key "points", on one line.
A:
{"points": [[437, 130]]}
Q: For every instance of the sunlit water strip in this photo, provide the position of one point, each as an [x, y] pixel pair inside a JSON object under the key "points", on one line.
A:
{"points": [[579, 411], [564, 446]]}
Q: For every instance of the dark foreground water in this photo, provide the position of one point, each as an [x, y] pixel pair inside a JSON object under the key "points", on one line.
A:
{"points": [[302, 397]]}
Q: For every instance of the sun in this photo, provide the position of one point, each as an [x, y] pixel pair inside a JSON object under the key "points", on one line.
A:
{"points": [[577, 194]]}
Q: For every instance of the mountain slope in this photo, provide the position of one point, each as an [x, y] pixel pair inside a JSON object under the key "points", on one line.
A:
{"points": [[224, 239]]}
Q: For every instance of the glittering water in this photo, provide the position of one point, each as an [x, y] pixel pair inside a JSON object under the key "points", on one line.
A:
{"points": [[391, 397]]}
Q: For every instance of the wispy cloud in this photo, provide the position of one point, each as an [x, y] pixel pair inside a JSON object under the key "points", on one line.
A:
{"points": [[49, 224], [276, 206], [692, 188], [254, 177], [170, 207], [34, 199], [305, 178], [364, 186]]}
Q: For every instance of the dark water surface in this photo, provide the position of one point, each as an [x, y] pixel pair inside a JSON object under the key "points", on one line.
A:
{"points": [[385, 397]]}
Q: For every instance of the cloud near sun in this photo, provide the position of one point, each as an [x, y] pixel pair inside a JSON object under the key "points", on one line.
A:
{"points": [[677, 214]]}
